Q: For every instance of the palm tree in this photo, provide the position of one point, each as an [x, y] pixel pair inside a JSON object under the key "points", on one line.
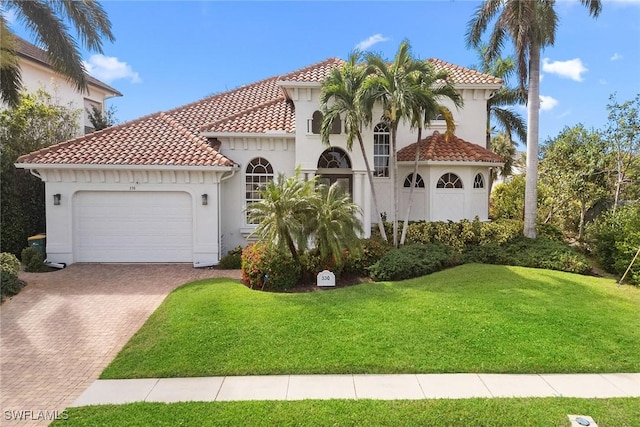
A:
{"points": [[47, 20], [437, 86], [531, 25], [502, 145], [339, 98], [286, 213], [395, 87], [336, 226], [498, 110]]}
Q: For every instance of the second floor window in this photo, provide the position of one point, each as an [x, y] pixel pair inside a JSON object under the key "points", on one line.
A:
{"points": [[381, 150]]}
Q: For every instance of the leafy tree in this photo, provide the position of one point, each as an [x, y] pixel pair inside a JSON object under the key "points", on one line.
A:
{"points": [[507, 200], [36, 122], [339, 97], [49, 22], [574, 168], [101, 120], [623, 134], [502, 145], [531, 25]]}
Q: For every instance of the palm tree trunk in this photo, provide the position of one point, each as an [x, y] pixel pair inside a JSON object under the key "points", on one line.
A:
{"points": [[394, 182], [373, 189], [413, 184], [533, 116]]}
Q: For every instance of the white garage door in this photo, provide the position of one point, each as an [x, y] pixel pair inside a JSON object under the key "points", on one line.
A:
{"points": [[133, 227]]}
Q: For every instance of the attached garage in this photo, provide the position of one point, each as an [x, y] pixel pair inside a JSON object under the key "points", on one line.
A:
{"points": [[132, 226]]}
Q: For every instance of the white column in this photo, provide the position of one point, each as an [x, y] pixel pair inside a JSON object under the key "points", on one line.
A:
{"points": [[363, 200]]}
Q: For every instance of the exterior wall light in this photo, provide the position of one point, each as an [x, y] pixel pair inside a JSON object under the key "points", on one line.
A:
{"points": [[205, 199], [56, 199]]}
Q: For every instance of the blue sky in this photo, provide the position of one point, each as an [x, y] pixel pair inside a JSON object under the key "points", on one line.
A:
{"points": [[170, 53]]}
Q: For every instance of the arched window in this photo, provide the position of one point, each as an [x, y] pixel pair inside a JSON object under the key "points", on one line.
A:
{"points": [[381, 150], [449, 180], [409, 179], [334, 158], [478, 181], [316, 122], [259, 171]]}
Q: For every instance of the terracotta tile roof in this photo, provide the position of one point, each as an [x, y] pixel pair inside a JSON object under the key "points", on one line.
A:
{"points": [[313, 73], [174, 137], [157, 139], [436, 148], [462, 75], [276, 115], [227, 104], [33, 52]]}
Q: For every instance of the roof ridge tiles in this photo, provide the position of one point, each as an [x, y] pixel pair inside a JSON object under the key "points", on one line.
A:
{"points": [[447, 64]]}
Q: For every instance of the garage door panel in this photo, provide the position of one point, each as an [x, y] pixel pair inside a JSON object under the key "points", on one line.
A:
{"points": [[133, 227]]}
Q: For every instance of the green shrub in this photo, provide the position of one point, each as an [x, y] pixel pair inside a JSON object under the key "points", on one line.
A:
{"points": [[232, 260], [269, 269], [33, 260], [9, 267], [614, 239], [373, 250], [411, 261], [536, 253]]}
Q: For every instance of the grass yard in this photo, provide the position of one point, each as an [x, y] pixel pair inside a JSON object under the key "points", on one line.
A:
{"points": [[468, 412], [473, 318]]}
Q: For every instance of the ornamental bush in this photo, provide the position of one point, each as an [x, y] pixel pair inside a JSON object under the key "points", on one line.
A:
{"points": [[269, 269], [411, 261], [614, 239], [33, 260], [232, 260], [9, 267], [373, 249]]}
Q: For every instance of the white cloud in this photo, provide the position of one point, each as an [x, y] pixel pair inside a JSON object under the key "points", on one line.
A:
{"points": [[110, 68], [366, 44], [615, 57], [547, 103], [571, 69], [603, 82]]}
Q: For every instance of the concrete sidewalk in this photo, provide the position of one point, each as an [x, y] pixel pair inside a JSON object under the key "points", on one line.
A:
{"points": [[384, 387]]}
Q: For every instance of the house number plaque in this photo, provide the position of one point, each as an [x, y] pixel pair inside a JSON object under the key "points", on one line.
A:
{"points": [[326, 278]]}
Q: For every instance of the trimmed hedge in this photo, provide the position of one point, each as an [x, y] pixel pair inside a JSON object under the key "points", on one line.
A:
{"points": [[411, 261], [33, 260]]}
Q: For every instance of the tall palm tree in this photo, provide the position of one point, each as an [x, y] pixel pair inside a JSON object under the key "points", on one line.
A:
{"points": [[531, 25], [339, 97], [47, 20], [437, 87], [394, 87]]}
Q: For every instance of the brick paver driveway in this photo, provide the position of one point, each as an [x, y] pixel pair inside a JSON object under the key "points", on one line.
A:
{"points": [[63, 329]]}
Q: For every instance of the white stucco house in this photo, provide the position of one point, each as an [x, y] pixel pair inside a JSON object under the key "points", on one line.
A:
{"points": [[38, 73], [173, 186]]}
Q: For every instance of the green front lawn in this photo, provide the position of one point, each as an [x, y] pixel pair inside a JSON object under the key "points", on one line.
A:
{"points": [[473, 318], [468, 412]]}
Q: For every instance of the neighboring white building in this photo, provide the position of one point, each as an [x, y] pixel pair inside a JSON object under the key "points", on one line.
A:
{"points": [[37, 73], [174, 186]]}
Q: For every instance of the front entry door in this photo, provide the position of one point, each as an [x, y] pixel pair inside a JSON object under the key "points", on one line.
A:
{"points": [[345, 182]]}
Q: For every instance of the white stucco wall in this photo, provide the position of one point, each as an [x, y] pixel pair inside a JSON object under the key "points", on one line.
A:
{"points": [[36, 76], [67, 183]]}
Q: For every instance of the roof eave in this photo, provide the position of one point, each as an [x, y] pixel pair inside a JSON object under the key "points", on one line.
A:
{"points": [[452, 163], [268, 134], [83, 166]]}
